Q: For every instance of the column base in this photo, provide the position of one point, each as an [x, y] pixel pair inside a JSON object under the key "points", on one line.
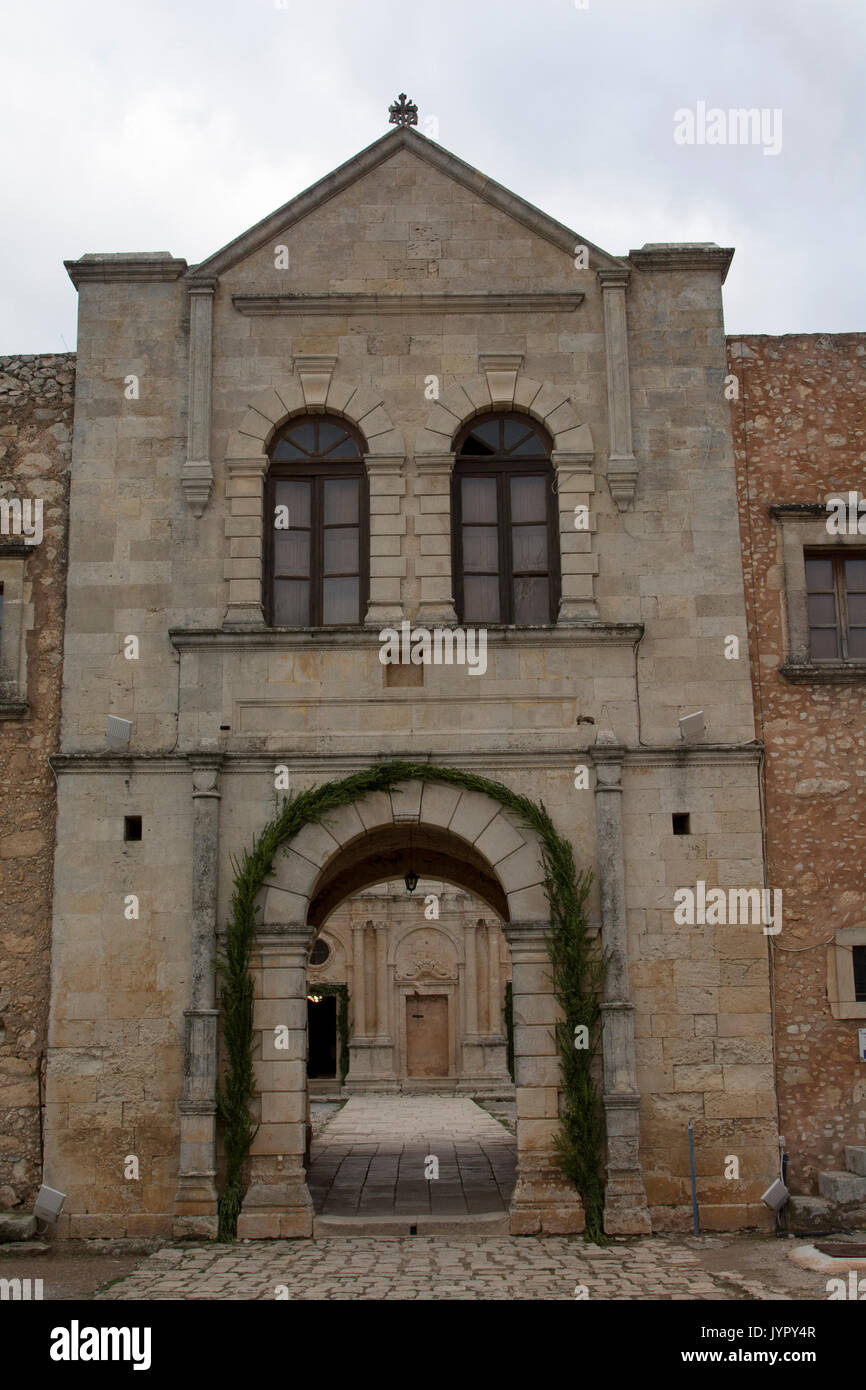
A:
{"points": [[436, 615], [195, 1207], [625, 1208], [545, 1202], [274, 1211]]}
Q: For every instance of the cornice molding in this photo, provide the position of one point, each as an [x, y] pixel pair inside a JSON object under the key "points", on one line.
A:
{"points": [[123, 267], [581, 633], [683, 256], [330, 765]]}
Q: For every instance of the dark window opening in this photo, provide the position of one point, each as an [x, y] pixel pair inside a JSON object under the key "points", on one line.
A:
{"points": [[132, 827], [681, 821], [505, 534], [859, 954], [316, 526], [322, 1036], [836, 599], [320, 952]]}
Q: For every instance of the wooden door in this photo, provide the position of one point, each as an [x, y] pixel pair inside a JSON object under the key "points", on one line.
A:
{"points": [[427, 1035]]}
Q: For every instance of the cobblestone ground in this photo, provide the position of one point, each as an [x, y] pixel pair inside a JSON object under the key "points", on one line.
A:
{"points": [[433, 1267]]}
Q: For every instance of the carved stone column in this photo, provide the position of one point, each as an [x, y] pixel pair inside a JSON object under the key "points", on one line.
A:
{"points": [[278, 1202], [626, 1211], [622, 467], [196, 1197], [197, 473], [544, 1199]]}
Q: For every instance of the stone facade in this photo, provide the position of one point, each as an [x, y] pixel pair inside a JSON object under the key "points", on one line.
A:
{"points": [[35, 447], [404, 294], [799, 436]]}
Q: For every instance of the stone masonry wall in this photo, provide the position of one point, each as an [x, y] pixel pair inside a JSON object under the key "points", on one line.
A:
{"points": [[35, 445], [800, 432]]}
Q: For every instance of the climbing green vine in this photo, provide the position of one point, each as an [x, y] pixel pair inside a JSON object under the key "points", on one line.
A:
{"points": [[576, 975]]}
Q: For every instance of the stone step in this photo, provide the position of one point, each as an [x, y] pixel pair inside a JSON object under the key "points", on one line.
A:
{"points": [[493, 1223], [855, 1159], [17, 1225], [842, 1187], [813, 1214]]}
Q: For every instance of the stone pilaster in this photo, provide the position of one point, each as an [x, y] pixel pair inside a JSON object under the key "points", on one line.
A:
{"points": [[470, 984], [197, 473], [278, 1202], [383, 1013], [626, 1211], [245, 487], [196, 1197], [387, 478], [432, 523], [575, 485], [494, 982], [544, 1199], [622, 466]]}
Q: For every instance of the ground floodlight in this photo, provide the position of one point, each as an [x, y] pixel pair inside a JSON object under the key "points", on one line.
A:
{"points": [[117, 732], [776, 1196], [49, 1204], [692, 725]]}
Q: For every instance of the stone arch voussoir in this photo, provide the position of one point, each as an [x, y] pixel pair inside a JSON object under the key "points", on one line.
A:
{"points": [[513, 852], [548, 404], [268, 411]]}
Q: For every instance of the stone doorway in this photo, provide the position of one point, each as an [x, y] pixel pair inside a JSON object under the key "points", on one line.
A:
{"points": [[427, 1036], [432, 830]]}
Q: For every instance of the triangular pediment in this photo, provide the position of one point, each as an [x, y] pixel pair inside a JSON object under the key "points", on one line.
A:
{"points": [[362, 164]]}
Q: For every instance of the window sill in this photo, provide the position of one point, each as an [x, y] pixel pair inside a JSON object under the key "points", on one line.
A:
{"points": [[823, 672], [13, 708]]}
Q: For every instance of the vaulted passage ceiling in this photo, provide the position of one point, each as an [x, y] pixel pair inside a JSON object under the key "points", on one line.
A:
{"points": [[391, 853]]}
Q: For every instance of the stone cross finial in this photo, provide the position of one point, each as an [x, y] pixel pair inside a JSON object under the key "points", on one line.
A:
{"points": [[403, 112]]}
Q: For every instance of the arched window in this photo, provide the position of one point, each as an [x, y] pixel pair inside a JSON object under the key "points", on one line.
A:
{"points": [[504, 517], [316, 526]]}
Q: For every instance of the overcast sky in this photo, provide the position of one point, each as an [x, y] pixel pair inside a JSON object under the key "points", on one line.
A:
{"points": [[174, 126]]}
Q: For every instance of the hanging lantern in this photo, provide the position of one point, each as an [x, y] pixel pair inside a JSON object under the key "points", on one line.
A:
{"points": [[411, 878]]}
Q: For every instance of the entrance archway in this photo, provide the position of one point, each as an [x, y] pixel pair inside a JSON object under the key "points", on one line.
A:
{"points": [[493, 854]]}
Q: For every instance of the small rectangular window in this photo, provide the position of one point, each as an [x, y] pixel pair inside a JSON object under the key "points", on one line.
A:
{"points": [[681, 823], [836, 598], [132, 827], [859, 954]]}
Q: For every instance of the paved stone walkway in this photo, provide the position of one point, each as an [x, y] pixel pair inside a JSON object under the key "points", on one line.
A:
{"points": [[373, 1158], [508, 1268]]}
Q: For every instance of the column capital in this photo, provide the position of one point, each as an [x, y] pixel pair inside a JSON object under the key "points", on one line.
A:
{"points": [[434, 463], [614, 278], [527, 935], [286, 934], [607, 761], [202, 284], [206, 769]]}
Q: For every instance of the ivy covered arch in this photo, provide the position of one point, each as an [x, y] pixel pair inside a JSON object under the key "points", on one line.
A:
{"points": [[577, 974]]}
